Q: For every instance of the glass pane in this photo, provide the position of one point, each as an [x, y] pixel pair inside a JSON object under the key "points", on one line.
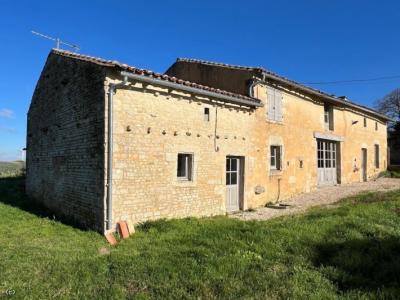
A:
{"points": [[228, 178], [228, 164], [234, 164], [233, 178], [181, 169], [328, 163]]}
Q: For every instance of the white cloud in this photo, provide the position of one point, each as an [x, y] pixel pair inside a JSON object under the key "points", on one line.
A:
{"points": [[6, 113]]}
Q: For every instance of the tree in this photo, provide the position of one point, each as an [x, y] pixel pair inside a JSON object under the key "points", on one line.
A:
{"points": [[390, 105]]}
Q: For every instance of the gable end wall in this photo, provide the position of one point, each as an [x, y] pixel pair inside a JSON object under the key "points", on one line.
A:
{"points": [[65, 141]]}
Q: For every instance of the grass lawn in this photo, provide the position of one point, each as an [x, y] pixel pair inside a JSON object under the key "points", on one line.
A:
{"points": [[352, 251]]}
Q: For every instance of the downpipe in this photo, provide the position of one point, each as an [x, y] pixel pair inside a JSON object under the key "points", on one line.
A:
{"points": [[112, 89]]}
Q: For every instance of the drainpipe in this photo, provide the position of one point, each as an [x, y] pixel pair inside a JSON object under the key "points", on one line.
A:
{"points": [[254, 83], [112, 89]]}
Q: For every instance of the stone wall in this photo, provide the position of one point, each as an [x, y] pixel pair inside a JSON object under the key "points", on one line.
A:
{"points": [[302, 118], [67, 147], [153, 125], [65, 142]]}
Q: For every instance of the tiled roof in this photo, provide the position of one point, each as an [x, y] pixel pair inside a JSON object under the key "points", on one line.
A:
{"points": [[148, 73], [285, 80]]}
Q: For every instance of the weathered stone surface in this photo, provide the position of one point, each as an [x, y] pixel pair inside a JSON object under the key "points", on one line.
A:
{"points": [[65, 143], [67, 147]]}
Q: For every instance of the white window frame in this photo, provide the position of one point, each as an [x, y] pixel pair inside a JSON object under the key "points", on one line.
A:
{"points": [[188, 166], [276, 156]]}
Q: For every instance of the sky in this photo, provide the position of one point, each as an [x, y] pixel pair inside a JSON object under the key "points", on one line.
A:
{"points": [[307, 41]]}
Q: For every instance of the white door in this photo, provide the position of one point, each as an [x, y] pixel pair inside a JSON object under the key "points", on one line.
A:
{"points": [[326, 162], [232, 183]]}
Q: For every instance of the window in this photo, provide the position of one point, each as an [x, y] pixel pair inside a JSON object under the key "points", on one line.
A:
{"points": [[274, 105], [377, 156], [376, 126], [184, 166], [328, 116], [206, 114], [365, 122], [275, 161]]}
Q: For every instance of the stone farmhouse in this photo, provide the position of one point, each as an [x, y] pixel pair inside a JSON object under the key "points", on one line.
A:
{"points": [[107, 142]]}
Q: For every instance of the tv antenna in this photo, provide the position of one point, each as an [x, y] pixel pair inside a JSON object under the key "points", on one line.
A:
{"points": [[58, 41]]}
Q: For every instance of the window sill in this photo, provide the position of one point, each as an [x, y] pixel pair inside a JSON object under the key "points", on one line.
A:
{"points": [[275, 172], [274, 122], [184, 180]]}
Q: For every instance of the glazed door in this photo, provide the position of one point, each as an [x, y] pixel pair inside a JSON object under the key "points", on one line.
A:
{"points": [[326, 162], [232, 183]]}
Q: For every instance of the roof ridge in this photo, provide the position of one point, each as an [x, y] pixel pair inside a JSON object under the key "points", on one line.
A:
{"points": [[149, 73], [214, 63]]}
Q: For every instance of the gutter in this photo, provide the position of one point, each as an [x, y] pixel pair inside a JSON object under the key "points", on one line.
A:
{"points": [[181, 87], [112, 89]]}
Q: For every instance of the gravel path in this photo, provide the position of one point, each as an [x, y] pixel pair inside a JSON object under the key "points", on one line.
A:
{"points": [[324, 196]]}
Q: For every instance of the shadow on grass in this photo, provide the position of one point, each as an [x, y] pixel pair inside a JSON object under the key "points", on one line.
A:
{"points": [[12, 193], [366, 264]]}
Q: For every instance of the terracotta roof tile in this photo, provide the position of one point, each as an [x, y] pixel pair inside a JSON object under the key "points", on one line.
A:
{"points": [[125, 67]]}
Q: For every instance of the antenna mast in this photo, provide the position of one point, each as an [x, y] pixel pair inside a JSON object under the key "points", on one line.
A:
{"points": [[58, 41]]}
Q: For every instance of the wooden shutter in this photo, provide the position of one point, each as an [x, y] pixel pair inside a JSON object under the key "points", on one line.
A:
{"points": [[278, 105], [271, 103]]}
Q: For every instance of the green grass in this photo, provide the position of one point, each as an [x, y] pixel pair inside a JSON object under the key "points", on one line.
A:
{"points": [[352, 251]]}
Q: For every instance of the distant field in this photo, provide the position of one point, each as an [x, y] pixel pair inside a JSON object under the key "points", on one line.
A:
{"points": [[11, 168]]}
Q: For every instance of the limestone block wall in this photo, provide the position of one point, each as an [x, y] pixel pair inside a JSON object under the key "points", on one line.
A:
{"points": [[151, 127], [65, 140], [302, 117]]}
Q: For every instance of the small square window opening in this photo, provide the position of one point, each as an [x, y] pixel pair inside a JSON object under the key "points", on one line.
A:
{"points": [[275, 158], [184, 166], [207, 114]]}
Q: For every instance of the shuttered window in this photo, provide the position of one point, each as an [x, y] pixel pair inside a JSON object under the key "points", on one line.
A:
{"points": [[274, 105]]}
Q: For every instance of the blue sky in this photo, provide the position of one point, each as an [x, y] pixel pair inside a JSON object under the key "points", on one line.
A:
{"points": [[306, 41]]}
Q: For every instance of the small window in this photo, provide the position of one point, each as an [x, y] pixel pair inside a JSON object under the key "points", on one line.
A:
{"points": [[275, 158], [184, 166], [365, 122], [376, 126], [206, 114], [328, 116], [377, 156]]}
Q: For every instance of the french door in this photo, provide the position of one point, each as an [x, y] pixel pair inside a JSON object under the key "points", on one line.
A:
{"points": [[234, 182], [326, 162]]}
